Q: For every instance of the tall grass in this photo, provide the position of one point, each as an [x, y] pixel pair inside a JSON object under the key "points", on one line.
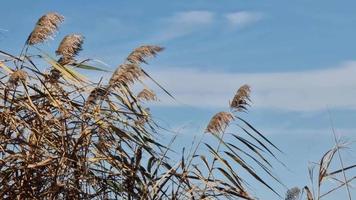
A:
{"points": [[63, 136]]}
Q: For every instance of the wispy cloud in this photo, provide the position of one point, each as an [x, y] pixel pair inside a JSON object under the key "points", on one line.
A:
{"points": [[243, 18], [300, 91], [189, 22], [193, 17], [185, 23]]}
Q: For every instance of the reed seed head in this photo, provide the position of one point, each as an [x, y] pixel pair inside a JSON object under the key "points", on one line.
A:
{"points": [[17, 76], [292, 194], [219, 122], [70, 46], [54, 75], [241, 99], [126, 74], [147, 95], [45, 27], [139, 54]]}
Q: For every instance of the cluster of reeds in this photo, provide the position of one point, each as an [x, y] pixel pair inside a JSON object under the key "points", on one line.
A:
{"points": [[64, 137]]}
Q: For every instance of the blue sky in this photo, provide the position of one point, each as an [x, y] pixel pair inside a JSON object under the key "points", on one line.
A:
{"points": [[298, 56]]}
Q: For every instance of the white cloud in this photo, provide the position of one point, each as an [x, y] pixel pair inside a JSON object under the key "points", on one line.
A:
{"points": [[299, 91], [193, 18], [184, 23], [189, 22], [243, 18]]}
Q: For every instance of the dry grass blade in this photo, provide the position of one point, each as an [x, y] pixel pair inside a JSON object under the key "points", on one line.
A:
{"points": [[40, 164], [338, 187], [325, 163], [6, 68], [139, 54], [46, 26], [219, 122], [67, 72], [309, 194]]}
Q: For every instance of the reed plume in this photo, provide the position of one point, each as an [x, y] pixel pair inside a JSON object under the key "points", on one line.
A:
{"points": [[126, 74], [219, 122], [70, 47], [45, 27], [139, 54], [147, 95], [54, 75], [293, 194], [241, 99], [17, 76]]}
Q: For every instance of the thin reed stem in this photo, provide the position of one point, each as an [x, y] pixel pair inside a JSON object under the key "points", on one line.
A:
{"points": [[339, 155]]}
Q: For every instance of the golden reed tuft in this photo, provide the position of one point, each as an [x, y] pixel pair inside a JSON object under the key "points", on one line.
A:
{"points": [[70, 47], [126, 74], [139, 54], [45, 27], [17, 76], [241, 99], [219, 122], [147, 95]]}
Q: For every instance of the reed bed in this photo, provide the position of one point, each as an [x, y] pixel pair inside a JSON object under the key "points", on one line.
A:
{"points": [[65, 137]]}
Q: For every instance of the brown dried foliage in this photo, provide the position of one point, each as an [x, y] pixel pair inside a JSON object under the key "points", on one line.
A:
{"points": [[58, 141]]}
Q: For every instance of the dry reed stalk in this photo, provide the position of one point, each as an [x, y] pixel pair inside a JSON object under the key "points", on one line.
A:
{"points": [[219, 122], [308, 193], [139, 54], [340, 157], [241, 99], [147, 95], [46, 26]]}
